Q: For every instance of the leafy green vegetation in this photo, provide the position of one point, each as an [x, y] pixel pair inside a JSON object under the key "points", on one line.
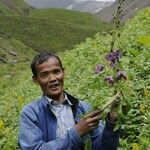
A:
{"points": [[79, 66], [14, 7]]}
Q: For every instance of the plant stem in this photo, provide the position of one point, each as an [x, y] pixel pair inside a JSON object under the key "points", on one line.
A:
{"points": [[116, 22], [110, 102]]}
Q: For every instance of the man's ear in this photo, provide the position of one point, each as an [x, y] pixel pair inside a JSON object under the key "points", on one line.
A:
{"points": [[35, 80]]}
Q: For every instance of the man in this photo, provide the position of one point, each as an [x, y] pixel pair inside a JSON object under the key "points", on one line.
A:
{"points": [[59, 121]]}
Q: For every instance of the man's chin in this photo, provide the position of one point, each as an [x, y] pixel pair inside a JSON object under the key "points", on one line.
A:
{"points": [[54, 94]]}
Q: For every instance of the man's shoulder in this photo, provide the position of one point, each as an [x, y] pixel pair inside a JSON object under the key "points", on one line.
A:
{"points": [[32, 106]]}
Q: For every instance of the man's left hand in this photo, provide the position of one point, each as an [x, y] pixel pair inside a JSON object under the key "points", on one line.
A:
{"points": [[113, 117]]}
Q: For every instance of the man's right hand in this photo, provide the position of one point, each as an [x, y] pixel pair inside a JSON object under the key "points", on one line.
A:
{"points": [[89, 122]]}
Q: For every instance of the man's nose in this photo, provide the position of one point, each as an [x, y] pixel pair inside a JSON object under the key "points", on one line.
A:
{"points": [[52, 78]]}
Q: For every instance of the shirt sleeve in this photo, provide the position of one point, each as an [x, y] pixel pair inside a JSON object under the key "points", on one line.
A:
{"points": [[104, 137], [31, 137]]}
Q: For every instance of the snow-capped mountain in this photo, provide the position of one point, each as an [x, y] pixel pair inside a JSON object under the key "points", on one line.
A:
{"points": [[89, 6], [92, 6]]}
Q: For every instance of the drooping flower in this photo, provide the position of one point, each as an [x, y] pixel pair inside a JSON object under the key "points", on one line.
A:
{"points": [[117, 54], [99, 68], [113, 57], [110, 80], [121, 74]]}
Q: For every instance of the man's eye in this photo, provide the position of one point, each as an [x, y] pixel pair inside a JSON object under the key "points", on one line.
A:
{"points": [[57, 71], [44, 75]]}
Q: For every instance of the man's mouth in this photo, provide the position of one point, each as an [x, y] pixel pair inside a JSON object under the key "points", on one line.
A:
{"points": [[53, 85]]}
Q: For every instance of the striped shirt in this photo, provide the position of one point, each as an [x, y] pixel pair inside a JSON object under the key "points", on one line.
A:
{"points": [[64, 115]]}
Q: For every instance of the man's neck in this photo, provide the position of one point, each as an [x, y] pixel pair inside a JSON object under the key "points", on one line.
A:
{"points": [[58, 98]]}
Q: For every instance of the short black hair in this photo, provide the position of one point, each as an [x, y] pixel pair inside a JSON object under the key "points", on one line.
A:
{"points": [[40, 58]]}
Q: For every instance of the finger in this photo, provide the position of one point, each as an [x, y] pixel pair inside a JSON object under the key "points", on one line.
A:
{"points": [[92, 114], [93, 124], [94, 127], [113, 116], [96, 118]]}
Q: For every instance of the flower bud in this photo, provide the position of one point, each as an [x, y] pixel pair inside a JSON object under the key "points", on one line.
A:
{"points": [[99, 68], [120, 74], [110, 80]]}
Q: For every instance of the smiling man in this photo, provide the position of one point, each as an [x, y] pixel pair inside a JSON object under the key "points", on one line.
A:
{"points": [[54, 122]]}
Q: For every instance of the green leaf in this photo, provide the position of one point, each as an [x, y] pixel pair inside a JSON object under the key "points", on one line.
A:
{"points": [[144, 39], [117, 126]]}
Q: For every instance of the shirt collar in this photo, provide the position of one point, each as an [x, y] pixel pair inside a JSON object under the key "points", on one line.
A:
{"points": [[66, 100]]}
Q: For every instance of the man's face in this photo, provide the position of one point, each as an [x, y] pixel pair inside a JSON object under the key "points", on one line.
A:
{"points": [[50, 77]]}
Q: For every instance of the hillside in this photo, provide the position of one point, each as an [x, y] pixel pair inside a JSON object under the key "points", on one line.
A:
{"points": [[14, 56], [130, 7], [47, 29], [79, 65], [91, 6], [14, 7], [69, 16], [52, 30]]}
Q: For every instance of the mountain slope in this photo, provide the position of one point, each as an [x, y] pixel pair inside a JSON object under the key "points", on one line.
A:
{"points": [[130, 7], [15, 57], [72, 17], [53, 34], [50, 3], [91, 6], [14, 7]]}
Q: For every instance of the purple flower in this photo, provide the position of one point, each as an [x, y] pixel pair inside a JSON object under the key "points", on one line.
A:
{"points": [[110, 57], [110, 80], [120, 74], [117, 54], [113, 57], [99, 68]]}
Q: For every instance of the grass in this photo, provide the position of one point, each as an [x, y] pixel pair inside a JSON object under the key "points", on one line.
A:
{"points": [[14, 7], [17, 57], [45, 33], [69, 16]]}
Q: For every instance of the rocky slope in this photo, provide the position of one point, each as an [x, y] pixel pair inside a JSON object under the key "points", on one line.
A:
{"points": [[130, 7]]}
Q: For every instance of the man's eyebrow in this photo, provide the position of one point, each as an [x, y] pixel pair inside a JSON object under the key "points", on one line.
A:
{"points": [[46, 71]]}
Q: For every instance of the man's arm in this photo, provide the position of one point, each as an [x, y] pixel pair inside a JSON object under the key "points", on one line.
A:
{"points": [[104, 137]]}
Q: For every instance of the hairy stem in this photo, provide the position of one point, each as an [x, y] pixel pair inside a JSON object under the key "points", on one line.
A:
{"points": [[116, 22]]}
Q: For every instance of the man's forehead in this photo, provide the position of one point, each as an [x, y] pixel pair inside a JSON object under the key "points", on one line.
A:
{"points": [[51, 62]]}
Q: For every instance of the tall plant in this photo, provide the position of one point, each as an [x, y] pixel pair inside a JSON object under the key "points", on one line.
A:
{"points": [[116, 77]]}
